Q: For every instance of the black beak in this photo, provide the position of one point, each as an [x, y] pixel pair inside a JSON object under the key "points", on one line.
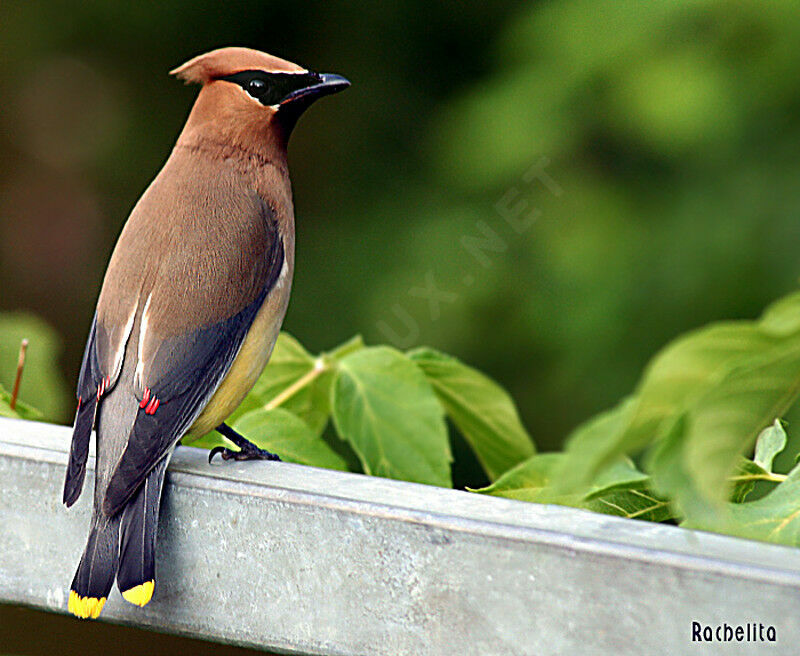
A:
{"points": [[312, 87], [325, 84]]}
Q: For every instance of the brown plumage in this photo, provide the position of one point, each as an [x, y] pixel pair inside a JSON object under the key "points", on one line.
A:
{"points": [[190, 307]]}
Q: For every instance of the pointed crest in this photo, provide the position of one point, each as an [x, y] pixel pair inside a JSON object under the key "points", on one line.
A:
{"points": [[227, 61]]}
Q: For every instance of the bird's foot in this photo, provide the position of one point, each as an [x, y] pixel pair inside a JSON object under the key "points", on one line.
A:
{"points": [[243, 454], [247, 450]]}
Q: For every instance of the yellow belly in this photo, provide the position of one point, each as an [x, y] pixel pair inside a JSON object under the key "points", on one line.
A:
{"points": [[246, 368]]}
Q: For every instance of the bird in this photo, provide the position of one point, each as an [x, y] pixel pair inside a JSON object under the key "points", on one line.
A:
{"points": [[190, 307]]}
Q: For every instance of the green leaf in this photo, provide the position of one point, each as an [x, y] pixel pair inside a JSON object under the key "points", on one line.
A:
{"points": [[620, 489], [686, 369], [288, 364], [621, 475], [480, 408], [667, 467], [21, 410], [384, 406], [769, 443], [633, 504], [42, 383], [773, 518], [281, 432], [527, 480]]}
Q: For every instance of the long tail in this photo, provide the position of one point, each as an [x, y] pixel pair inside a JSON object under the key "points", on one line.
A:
{"points": [[95, 575], [137, 567], [123, 545]]}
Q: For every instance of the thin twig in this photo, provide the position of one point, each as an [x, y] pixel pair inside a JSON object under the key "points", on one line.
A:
{"points": [[319, 368], [23, 347]]}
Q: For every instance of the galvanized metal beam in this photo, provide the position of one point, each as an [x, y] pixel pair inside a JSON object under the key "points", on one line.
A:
{"points": [[309, 561]]}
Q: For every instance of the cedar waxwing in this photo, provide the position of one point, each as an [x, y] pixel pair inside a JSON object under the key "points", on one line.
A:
{"points": [[190, 307]]}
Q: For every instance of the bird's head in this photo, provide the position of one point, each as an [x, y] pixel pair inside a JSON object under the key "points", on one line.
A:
{"points": [[250, 94]]}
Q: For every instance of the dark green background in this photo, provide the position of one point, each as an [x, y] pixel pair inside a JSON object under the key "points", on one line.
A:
{"points": [[671, 131]]}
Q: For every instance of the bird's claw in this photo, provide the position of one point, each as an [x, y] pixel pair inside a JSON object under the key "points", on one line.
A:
{"points": [[215, 451], [243, 454]]}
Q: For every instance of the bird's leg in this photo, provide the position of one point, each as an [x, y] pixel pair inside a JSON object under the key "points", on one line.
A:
{"points": [[247, 450]]}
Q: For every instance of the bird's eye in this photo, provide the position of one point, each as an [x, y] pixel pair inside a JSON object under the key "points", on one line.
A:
{"points": [[256, 87]]}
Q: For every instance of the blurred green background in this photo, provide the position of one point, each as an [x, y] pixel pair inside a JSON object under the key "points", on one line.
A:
{"points": [[548, 190]]}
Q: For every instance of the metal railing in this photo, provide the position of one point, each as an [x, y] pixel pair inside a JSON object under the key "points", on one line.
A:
{"points": [[309, 561]]}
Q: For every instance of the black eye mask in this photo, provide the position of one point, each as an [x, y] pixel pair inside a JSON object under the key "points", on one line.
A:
{"points": [[272, 88]]}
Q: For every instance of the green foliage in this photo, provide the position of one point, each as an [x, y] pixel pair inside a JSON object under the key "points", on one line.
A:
{"points": [[387, 407], [773, 518], [620, 489], [724, 422], [676, 376], [701, 407], [481, 409]]}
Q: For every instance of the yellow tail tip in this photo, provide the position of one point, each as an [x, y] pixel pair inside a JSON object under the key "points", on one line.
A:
{"points": [[141, 594], [85, 607]]}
